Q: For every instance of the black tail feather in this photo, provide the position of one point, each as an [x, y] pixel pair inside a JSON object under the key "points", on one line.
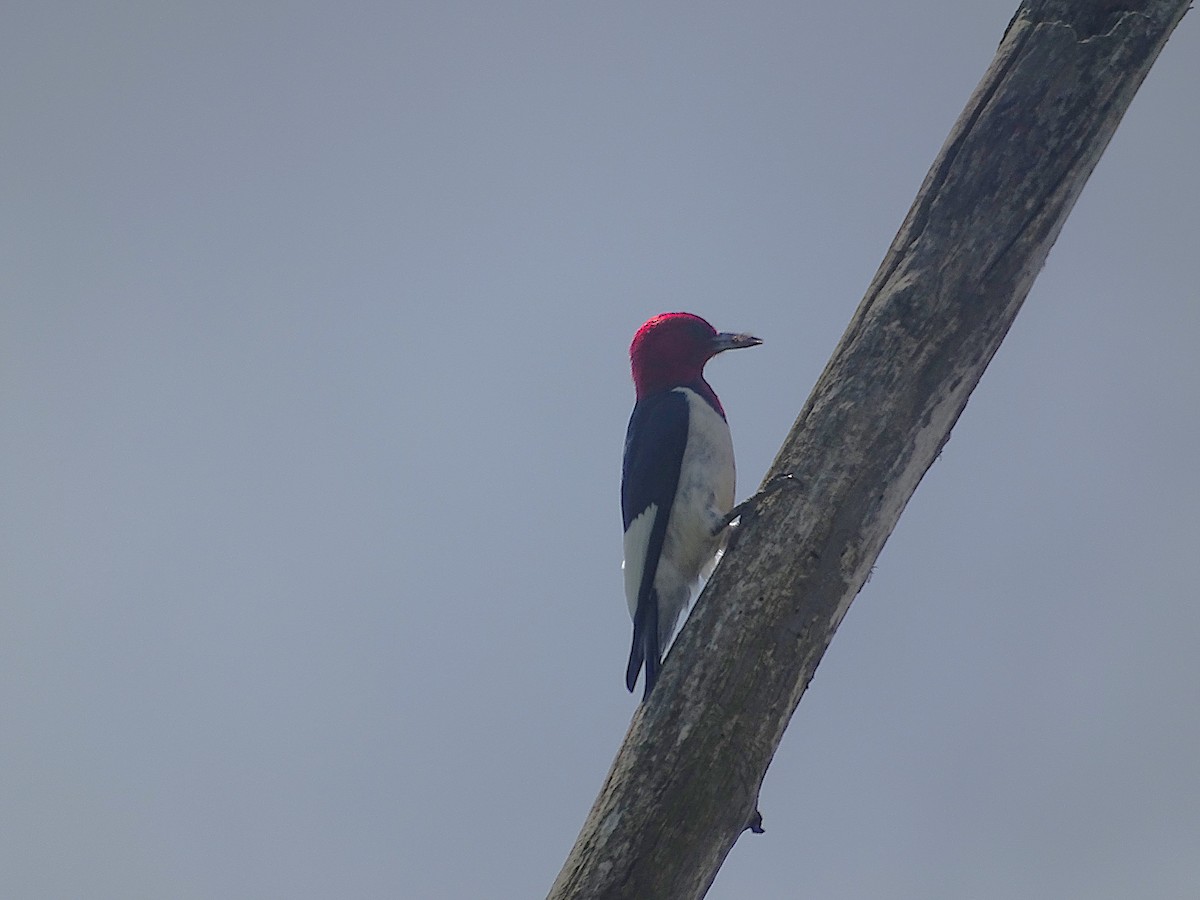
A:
{"points": [[645, 647], [636, 654]]}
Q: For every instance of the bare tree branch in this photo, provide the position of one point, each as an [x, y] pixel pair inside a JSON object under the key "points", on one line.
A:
{"points": [[685, 783]]}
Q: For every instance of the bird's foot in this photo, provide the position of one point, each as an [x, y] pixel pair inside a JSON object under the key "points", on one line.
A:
{"points": [[747, 508]]}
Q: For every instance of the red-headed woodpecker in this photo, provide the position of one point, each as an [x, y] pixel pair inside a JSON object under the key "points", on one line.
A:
{"points": [[677, 483]]}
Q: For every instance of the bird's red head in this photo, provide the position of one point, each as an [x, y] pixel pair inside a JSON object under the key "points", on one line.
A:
{"points": [[672, 348]]}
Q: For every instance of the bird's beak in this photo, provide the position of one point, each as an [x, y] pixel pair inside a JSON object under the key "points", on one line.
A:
{"points": [[728, 341]]}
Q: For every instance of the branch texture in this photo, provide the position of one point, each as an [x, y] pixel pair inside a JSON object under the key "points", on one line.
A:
{"points": [[686, 780]]}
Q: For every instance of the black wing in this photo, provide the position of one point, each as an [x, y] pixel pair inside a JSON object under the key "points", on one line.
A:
{"points": [[654, 445]]}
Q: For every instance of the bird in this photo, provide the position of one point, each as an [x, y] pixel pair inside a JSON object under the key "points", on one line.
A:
{"points": [[677, 478]]}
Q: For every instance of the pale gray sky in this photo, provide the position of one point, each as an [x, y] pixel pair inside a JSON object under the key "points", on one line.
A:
{"points": [[314, 386]]}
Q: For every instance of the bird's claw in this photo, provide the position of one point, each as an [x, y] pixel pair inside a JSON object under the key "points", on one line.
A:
{"points": [[749, 507]]}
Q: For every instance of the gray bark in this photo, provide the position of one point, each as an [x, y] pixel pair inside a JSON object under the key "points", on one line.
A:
{"points": [[686, 780]]}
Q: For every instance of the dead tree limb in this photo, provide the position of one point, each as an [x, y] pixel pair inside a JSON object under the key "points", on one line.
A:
{"points": [[686, 780]]}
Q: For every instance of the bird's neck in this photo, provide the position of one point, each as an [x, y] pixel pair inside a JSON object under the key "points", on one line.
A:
{"points": [[698, 384]]}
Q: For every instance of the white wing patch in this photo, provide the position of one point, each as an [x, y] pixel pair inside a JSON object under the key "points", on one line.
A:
{"points": [[637, 541]]}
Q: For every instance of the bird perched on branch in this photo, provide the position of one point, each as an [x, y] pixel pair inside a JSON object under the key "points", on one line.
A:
{"points": [[677, 483]]}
